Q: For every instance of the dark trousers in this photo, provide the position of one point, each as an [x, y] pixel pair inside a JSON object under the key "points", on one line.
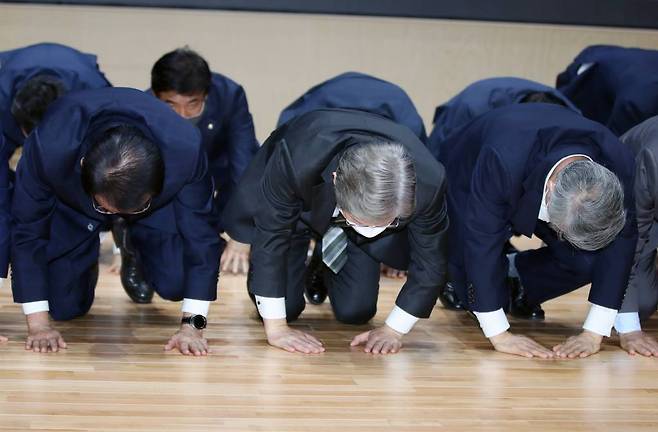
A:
{"points": [[73, 277], [353, 291], [555, 269], [546, 273]]}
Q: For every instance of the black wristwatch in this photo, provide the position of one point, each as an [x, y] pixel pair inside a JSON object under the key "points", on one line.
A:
{"points": [[199, 322]]}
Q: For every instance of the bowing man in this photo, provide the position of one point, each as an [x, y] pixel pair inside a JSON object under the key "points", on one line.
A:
{"points": [[539, 169], [98, 155], [371, 191], [483, 96], [613, 85]]}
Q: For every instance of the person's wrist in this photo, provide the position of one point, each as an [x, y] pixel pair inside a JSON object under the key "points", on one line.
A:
{"points": [[38, 320], [274, 325], [500, 337], [594, 336], [392, 331], [189, 327]]}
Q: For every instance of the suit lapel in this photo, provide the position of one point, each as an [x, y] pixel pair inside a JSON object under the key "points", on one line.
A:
{"points": [[323, 201]]}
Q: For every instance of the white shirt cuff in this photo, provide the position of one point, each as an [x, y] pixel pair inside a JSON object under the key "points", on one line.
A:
{"points": [[600, 320], [627, 322], [492, 323], [196, 307], [400, 320], [34, 307], [271, 307]]}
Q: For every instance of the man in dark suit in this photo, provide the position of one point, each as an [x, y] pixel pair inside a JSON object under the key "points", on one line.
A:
{"points": [[642, 293], [483, 96], [358, 91], [218, 106], [613, 85], [96, 155], [353, 90], [539, 169], [31, 78], [372, 192]]}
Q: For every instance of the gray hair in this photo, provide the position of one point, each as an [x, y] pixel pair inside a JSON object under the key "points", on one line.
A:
{"points": [[586, 206], [376, 181]]}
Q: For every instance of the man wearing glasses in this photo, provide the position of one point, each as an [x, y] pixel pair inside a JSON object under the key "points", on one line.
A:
{"points": [[99, 155], [369, 191]]}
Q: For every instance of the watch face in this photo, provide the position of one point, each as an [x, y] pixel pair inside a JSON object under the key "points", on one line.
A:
{"points": [[199, 321]]}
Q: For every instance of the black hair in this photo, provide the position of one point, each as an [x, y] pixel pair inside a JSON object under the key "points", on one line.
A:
{"points": [[33, 99], [182, 71], [542, 97], [124, 167]]}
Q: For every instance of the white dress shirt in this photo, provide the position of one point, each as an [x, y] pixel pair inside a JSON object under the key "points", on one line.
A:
{"points": [[599, 319], [275, 308]]}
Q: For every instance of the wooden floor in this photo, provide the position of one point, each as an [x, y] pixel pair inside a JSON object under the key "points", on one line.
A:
{"points": [[116, 377]]}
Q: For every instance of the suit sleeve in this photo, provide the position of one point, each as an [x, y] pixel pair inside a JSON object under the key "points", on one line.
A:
{"points": [[201, 243], [242, 138], [486, 230], [428, 264], [645, 205], [5, 214], [277, 213], [33, 206]]}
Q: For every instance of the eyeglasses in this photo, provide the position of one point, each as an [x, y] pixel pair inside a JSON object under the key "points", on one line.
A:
{"points": [[342, 222], [102, 210]]}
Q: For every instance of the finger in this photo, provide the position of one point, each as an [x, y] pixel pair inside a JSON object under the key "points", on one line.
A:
{"points": [[396, 347], [170, 345], [301, 347], [386, 348], [62, 343], [313, 340], [54, 346], [377, 347], [205, 344], [371, 343], [200, 348], [359, 339], [28, 343], [185, 348], [195, 348], [43, 345], [244, 262]]}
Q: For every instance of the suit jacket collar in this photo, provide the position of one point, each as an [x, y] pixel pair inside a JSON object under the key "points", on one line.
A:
{"points": [[324, 198]]}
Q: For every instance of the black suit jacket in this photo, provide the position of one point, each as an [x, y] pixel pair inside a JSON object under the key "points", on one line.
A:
{"points": [[290, 181]]}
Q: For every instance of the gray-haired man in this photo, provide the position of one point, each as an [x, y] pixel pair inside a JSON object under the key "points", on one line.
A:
{"points": [[544, 170], [370, 192]]}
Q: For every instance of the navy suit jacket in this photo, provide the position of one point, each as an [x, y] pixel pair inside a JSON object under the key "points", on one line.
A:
{"points": [[497, 166], [227, 133], [481, 97], [76, 70], [618, 87], [289, 182], [54, 216], [5, 213], [354, 90]]}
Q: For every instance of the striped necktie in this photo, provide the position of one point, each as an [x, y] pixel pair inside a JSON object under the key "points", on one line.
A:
{"points": [[334, 248]]}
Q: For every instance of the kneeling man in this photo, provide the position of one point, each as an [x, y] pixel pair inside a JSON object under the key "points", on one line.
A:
{"points": [[371, 193]]}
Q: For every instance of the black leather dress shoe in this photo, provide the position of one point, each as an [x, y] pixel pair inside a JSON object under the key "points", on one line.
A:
{"points": [[132, 277], [315, 288], [449, 300], [519, 306]]}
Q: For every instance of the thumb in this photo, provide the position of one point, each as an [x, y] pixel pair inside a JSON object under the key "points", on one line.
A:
{"points": [[170, 345], [359, 339]]}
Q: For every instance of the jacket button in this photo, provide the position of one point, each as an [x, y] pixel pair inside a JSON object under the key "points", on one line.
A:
{"points": [[211, 126], [90, 227]]}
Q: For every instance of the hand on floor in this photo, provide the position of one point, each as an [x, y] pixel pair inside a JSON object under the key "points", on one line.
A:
{"points": [[280, 335], [115, 268], [189, 341], [235, 258], [509, 343], [638, 342], [3, 339], [581, 346], [392, 273], [41, 337], [382, 340]]}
